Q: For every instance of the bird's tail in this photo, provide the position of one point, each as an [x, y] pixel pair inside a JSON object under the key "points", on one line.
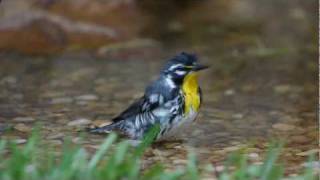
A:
{"points": [[104, 129]]}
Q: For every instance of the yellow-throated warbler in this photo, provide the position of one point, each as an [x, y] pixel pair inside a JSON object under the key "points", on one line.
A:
{"points": [[170, 101]]}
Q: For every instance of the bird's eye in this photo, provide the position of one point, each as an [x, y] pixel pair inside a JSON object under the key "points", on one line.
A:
{"points": [[180, 69]]}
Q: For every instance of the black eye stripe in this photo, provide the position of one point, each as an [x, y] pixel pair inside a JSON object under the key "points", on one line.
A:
{"points": [[184, 68], [180, 69]]}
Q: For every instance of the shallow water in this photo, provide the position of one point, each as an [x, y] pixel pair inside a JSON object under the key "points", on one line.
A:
{"points": [[261, 85]]}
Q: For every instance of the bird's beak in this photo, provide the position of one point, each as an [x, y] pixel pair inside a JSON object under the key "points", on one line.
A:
{"points": [[199, 67]]}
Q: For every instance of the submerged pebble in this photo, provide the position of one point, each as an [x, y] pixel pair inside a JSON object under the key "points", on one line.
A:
{"points": [[55, 136], [309, 152], [229, 92], [300, 139], [61, 100], [22, 127], [253, 156], [219, 168], [79, 122], [87, 97], [100, 123], [24, 119], [283, 127], [55, 142], [20, 141]]}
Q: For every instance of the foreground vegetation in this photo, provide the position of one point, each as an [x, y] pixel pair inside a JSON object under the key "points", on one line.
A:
{"points": [[118, 160]]}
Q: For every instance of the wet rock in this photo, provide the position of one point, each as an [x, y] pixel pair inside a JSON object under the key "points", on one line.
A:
{"points": [[300, 139], [233, 148], [172, 142], [309, 152], [222, 134], [281, 89], [55, 136], [82, 103], [50, 93], [283, 127], [258, 163], [61, 100], [249, 88], [100, 123], [228, 149], [235, 143], [5, 127], [197, 132], [289, 119], [219, 168], [55, 115], [102, 88], [20, 141], [287, 154], [253, 149], [51, 39], [253, 156], [95, 147], [180, 161], [237, 116], [208, 177], [77, 140], [217, 114], [79, 122], [24, 119], [293, 175], [204, 151], [17, 96], [101, 81], [229, 92], [8, 80], [177, 147], [160, 153], [62, 120], [87, 97], [22, 127], [55, 142]]}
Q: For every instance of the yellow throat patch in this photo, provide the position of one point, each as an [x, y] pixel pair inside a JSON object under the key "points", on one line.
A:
{"points": [[190, 89]]}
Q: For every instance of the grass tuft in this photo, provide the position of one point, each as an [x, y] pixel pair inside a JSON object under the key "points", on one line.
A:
{"points": [[114, 161]]}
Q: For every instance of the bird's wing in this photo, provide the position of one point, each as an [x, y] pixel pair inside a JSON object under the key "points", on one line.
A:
{"points": [[141, 105]]}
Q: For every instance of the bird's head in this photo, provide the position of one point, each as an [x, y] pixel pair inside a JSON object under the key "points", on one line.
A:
{"points": [[181, 65]]}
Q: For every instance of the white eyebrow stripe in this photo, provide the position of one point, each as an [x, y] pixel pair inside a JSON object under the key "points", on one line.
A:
{"points": [[180, 72], [175, 66]]}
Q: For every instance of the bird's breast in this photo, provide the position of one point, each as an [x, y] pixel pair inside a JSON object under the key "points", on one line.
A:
{"points": [[190, 89]]}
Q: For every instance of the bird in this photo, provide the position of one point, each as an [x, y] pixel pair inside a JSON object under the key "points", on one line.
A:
{"points": [[170, 101]]}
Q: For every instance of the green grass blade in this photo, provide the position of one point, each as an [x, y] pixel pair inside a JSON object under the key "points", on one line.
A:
{"points": [[147, 140], [267, 169], [104, 147], [192, 170]]}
